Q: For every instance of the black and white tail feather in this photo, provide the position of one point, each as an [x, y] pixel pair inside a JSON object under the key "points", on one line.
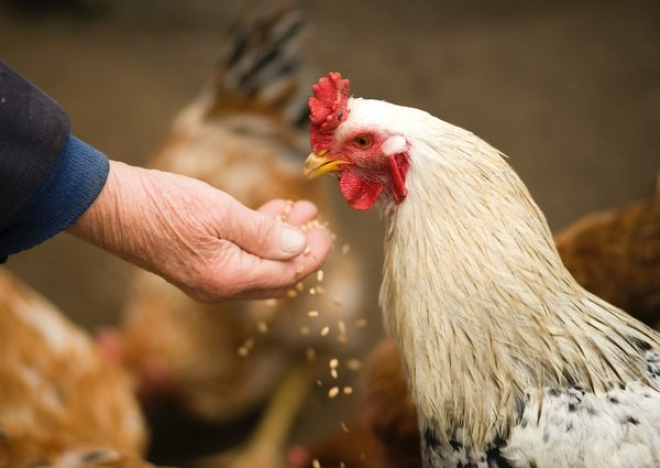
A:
{"points": [[263, 61]]}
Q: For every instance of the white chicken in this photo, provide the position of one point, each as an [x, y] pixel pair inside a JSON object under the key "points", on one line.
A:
{"points": [[510, 362]]}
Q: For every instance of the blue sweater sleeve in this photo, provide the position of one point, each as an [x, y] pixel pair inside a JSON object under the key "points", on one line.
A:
{"points": [[48, 177]]}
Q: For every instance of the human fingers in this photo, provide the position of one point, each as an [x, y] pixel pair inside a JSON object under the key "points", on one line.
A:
{"points": [[263, 234], [296, 213], [262, 278]]}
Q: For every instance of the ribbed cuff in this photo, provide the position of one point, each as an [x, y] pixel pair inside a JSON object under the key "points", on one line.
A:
{"points": [[74, 183]]}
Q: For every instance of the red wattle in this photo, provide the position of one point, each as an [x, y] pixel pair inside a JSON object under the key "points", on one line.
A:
{"points": [[359, 193], [398, 167]]}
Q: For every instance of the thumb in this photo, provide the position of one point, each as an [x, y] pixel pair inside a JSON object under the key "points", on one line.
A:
{"points": [[264, 235]]}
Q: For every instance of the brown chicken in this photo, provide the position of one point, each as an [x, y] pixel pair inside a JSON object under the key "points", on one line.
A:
{"points": [[614, 254], [59, 397], [242, 135]]}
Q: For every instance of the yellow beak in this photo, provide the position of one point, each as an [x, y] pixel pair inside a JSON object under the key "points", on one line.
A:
{"points": [[318, 164]]}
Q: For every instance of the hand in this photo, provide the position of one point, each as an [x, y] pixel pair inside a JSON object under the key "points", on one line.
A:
{"points": [[201, 239]]}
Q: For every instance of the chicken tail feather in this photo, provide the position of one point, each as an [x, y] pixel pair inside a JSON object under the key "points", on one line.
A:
{"points": [[262, 67]]}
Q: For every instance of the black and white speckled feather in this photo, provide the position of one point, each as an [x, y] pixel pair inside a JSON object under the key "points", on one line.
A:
{"points": [[572, 427]]}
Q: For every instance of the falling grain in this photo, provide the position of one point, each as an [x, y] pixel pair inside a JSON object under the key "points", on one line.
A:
{"points": [[333, 373], [311, 354], [313, 313], [288, 207], [316, 463], [246, 347], [360, 323], [325, 330], [348, 390], [344, 427], [319, 275], [304, 331], [300, 286], [336, 301], [334, 362], [354, 364], [262, 327], [291, 293], [312, 291], [333, 392], [345, 249]]}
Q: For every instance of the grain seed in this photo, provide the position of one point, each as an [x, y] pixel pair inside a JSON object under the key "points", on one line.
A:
{"points": [[354, 364], [360, 323]]}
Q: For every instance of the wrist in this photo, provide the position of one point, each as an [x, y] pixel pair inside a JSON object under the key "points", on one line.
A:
{"points": [[101, 223]]}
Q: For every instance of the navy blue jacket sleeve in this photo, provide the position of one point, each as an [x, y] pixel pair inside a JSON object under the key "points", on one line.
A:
{"points": [[48, 177]]}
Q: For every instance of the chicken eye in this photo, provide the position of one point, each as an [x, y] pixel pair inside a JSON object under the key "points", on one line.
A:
{"points": [[363, 141]]}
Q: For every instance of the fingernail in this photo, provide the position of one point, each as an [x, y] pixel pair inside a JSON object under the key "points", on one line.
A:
{"points": [[293, 240]]}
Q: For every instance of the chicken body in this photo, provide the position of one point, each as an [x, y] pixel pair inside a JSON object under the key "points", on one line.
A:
{"points": [[241, 135], [510, 362], [614, 254], [59, 398]]}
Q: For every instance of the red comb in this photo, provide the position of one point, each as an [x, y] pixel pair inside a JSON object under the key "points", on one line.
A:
{"points": [[327, 109]]}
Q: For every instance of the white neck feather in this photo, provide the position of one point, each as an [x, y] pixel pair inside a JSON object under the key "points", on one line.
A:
{"points": [[476, 295]]}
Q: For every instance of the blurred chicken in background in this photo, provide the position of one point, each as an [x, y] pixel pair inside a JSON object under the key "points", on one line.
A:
{"points": [[614, 254], [246, 135], [59, 397]]}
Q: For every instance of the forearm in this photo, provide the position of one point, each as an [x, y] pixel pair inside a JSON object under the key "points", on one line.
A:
{"points": [[128, 219]]}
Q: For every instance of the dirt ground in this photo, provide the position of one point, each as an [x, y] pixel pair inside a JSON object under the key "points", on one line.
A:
{"points": [[570, 90]]}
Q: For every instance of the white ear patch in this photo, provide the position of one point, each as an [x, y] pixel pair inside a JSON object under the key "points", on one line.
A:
{"points": [[394, 145]]}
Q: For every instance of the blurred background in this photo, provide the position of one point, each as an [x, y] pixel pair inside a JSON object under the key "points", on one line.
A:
{"points": [[569, 90]]}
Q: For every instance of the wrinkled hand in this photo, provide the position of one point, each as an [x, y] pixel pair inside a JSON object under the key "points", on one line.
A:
{"points": [[201, 239]]}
